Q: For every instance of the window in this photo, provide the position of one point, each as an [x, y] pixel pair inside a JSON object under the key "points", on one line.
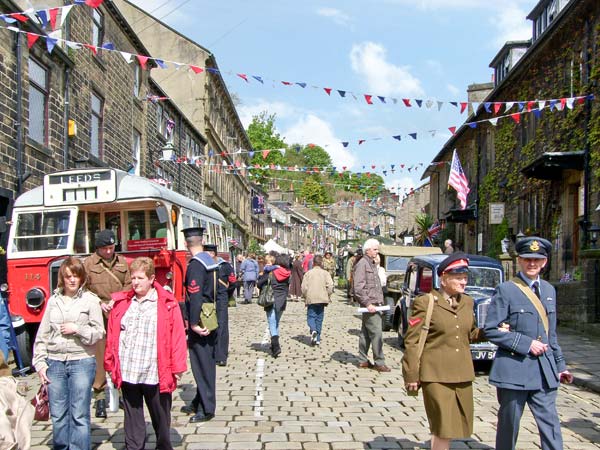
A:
{"points": [[136, 150], [137, 79], [96, 125], [97, 28], [42, 231], [38, 102]]}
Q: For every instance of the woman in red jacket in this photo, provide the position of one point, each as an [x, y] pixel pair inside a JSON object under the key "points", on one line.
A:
{"points": [[145, 353]]}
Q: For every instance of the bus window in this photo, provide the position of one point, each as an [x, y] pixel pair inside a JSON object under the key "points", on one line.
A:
{"points": [[158, 229], [113, 222], [136, 225], [79, 245], [42, 231], [93, 228]]}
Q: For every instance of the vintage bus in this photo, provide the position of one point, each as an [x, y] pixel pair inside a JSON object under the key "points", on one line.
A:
{"points": [[62, 218]]}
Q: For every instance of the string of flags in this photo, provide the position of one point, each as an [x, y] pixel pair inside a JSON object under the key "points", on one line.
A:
{"points": [[45, 17]]}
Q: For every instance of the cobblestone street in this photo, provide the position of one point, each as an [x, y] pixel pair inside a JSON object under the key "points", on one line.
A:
{"points": [[317, 397]]}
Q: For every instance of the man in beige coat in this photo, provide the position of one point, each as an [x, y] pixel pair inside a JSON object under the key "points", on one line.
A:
{"points": [[317, 287]]}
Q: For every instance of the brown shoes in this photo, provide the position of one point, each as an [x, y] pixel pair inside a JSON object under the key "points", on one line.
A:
{"points": [[381, 368], [366, 365]]}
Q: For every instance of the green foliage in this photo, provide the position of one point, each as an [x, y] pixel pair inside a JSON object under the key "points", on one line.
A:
{"points": [[422, 224], [315, 179], [253, 246], [499, 232]]}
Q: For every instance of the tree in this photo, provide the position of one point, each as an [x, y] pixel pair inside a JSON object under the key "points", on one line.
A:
{"points": [[266, 143], [313, 191], [315, 156]]}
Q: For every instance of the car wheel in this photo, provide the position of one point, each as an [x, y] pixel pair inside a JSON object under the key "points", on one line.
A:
{"points": [[24, 343], [388, 316], [403, 324]]}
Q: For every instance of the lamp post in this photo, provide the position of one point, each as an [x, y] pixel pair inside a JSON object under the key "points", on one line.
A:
{"points": [[593, 231]]}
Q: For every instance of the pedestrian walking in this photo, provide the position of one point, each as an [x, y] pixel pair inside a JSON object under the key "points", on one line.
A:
{"points": [[280, 282], [296, 278], [200, 284], [369, 294], [352, 260], [329, 264], [146, 354], [250, 270], [529, 363], [225, 271], [317, 287], [239, 259], [107, 273], [439, 361], [64, 355]]}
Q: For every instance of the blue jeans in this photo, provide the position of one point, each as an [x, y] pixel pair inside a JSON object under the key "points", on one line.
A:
{"points": [[70, 394], [314, 318], [273, 317]]}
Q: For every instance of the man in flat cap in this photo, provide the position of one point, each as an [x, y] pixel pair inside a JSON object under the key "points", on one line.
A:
{"points": [[200, 285], [107, 273], [529, 364]]}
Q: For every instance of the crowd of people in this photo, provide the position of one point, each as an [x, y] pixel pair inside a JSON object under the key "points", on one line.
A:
{"points": [[110, 318]]}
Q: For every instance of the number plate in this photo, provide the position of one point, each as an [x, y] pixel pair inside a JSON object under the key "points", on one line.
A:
{"points": [[479, 355]]}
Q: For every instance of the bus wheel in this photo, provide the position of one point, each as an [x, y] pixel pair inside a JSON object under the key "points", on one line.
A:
{"points": [[25, 344]]}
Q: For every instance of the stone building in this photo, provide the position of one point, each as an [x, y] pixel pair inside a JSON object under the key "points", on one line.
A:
{"points": [[202, 96], [536, 159]]}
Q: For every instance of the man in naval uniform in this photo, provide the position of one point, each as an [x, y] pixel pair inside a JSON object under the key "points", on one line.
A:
{"points": [[200, 287], [529, 364]]}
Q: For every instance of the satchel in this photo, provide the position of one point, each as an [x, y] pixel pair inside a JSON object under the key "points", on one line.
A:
{"points": [[265, 298], [208, 314], [41, 404]]}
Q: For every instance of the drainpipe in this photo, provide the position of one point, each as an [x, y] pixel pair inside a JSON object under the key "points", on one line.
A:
{"points": [[19, 113], [66, 120]]}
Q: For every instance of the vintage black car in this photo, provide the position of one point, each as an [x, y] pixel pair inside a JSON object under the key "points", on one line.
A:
{"points": [[421, 276]]}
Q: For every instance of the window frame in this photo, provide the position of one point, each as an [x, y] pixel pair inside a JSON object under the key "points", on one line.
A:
{"points": [[46, 96], [136, 151], [97, 28], [99, 116]]}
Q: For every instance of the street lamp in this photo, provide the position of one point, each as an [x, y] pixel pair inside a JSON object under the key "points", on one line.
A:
{"points": [[519, 236], [594, 230], [167, 150]]}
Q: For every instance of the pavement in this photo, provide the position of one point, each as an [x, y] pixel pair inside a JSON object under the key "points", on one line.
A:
{"points": [[316, 398]]}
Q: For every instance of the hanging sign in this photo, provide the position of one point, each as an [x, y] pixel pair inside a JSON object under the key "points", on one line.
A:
{"points": [[496, 213]]}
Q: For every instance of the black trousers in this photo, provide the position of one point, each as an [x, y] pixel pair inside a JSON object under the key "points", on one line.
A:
{"points": [[159, 407], [222, 349], [204, 368]]}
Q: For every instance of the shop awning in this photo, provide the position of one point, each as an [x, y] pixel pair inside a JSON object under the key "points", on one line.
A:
{"points": [[550, 165], [461, 215]]}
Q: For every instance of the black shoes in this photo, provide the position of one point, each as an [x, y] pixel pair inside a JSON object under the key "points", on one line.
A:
{"points": [[221, 363], [201, 417], [101, 408], [188, 409], [275, 348]]}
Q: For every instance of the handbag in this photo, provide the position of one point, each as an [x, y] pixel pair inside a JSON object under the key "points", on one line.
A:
{"points": [[41, 404], [208, 314], [265, 298]]}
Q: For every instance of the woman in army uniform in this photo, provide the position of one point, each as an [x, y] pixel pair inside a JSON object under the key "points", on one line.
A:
{"points": [[445, 370]]}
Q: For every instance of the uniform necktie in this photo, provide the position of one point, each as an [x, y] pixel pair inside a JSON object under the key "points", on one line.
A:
{"points": [[536, 288], [453, 302]]}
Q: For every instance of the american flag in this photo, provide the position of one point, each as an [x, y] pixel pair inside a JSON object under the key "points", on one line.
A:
{"points": [[458, 181]]}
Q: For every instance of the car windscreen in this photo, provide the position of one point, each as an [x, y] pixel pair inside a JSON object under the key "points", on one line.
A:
{"points": [[396, 263], [484, 277]]}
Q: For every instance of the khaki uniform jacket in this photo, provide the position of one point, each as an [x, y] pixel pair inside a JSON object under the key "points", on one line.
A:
{"points": [[317, 286], [102, 283], [447, 356]]}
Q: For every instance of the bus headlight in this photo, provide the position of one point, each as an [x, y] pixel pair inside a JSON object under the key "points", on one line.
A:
{"points": [[35, 298], [3, 287]]}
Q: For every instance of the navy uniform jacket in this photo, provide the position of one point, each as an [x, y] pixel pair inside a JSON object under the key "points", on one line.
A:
{"points": [[514, 367], [199, 285]]}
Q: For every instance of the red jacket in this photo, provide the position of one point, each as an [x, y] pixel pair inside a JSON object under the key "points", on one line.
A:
{"points": [[171, 342]]}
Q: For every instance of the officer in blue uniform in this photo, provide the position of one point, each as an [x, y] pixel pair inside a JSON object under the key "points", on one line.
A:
{"points": [[529, 364], [225, 270], [200, 288]]}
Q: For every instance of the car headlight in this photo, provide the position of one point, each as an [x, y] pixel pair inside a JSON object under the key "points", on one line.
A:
{"points": [[35, 298]]}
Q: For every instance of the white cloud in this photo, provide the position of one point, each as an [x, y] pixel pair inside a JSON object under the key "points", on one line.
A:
{"points": [[383, 78], [453, 89], [511, 24], [312, 129], [400, 185], [338, 17], [280, 109]]}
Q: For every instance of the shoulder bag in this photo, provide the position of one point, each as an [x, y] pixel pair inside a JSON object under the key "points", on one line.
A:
{"points": [[265, 298], [208, 314]]}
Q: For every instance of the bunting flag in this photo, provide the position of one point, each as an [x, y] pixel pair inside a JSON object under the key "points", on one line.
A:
{"points": [[458, 181]]}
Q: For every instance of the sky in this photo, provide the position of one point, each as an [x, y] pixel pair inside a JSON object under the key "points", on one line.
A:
{"points": [[414, 49]]}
